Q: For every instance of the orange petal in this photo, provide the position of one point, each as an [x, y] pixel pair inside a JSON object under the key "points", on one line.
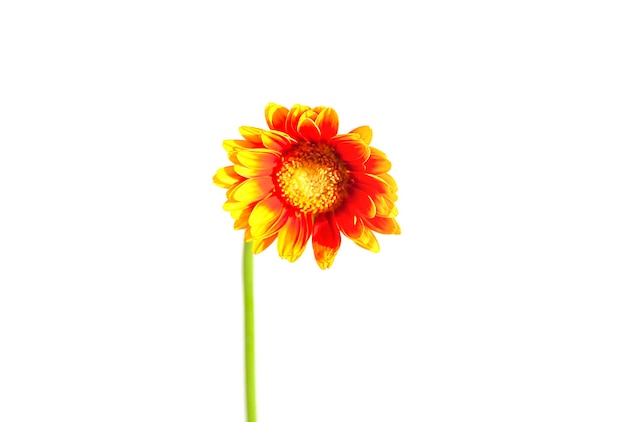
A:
{"points": [[328, 122], [268, 216], [326, 240], [252, 190], [277, 141], [293, 118], [252, 134], [257, 158], [362, 203], [308, 130], [293, 237], [259, 245], [226, 177], [275, 116], [390, 181], [383, 225], [384, 206], [365, 132], [241, 217], [377, 162], [368, 241]]}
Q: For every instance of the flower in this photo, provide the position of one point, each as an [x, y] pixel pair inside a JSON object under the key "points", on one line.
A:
{"points": [[302, 180]]}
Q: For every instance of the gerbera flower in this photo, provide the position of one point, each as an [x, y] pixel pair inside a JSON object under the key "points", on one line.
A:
{"points": [[302, 180]]}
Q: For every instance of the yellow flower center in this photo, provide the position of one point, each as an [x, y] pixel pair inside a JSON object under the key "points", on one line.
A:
{"points": [[312, 178]]}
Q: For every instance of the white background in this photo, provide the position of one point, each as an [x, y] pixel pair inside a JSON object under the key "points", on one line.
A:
{"points": [[502, 300]]}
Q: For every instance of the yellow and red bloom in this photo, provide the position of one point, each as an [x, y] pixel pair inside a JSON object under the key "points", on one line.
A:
{"points": [[302, 180]]}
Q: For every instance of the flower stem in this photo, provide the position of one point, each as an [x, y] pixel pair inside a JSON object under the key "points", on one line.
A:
{"points": [[248, 300]]}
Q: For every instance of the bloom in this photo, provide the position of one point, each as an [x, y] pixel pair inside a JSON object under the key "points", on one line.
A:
{"points": [[302, 180]]}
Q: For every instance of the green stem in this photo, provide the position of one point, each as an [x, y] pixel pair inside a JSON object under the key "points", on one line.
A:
{"points": [[248, 300]]}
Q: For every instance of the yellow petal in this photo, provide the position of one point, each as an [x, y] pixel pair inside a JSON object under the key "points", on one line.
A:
{"points": [[226, 177], [268, 216], [293, 237], [368, 241], [257, 158], [251, 134], [252, 190], [365, 132]]}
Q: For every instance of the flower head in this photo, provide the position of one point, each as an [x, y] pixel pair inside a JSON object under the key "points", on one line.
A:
{"points": [[302, 180]]}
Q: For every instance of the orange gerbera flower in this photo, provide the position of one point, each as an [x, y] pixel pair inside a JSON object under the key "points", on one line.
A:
{"points": [[302, 180]]}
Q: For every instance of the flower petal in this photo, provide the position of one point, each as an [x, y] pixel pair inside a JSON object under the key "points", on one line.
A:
{"points": [[257, 158], [293, 118], [241, 217], [233, 206], [326, 240], [251, 134], [268, 216], [365, 132], [383, 225], [274, 140], [226, 177], [249, 173], [384, 206], [252, 190], [348, 222], [352, 151], [232, 145], [377, 163], [293, 237], [368, 241], [328, 122], [372, 184], [275, 116], [308, 130], [362, 203], [259, 245]]}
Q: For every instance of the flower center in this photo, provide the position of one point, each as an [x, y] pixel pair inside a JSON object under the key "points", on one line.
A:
{"points": [[312, 178]]}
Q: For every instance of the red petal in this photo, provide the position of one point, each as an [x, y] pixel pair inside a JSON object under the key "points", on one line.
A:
{"points": [[349, 223], [326, 240], [353, 151], [372, 184], [362, 203]]}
